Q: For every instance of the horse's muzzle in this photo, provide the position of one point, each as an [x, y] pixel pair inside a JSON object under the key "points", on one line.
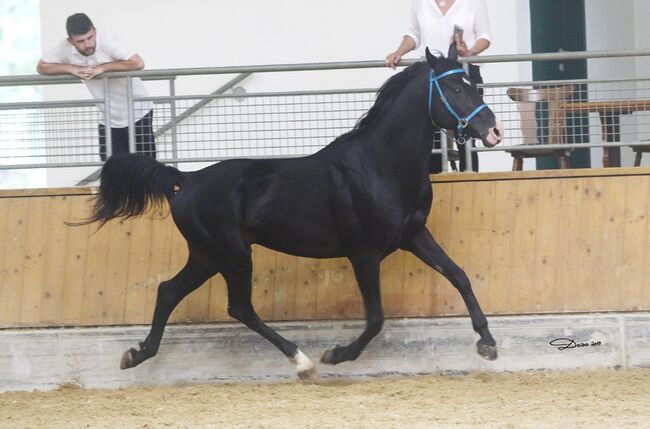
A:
{"points": [[494, 135]]}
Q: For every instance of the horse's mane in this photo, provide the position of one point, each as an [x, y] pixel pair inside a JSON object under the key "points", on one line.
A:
{"points": [[388, 90]]}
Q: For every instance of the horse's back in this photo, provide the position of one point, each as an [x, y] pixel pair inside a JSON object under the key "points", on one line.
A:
{"points": [[284, 204], [324, 205]]}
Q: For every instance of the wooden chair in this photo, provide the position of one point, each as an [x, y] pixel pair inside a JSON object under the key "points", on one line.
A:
{"points": [[639, 151], [642, 105], [526, 100]]}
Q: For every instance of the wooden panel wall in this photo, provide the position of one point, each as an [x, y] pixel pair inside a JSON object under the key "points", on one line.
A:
{"points": [[531, 242]]}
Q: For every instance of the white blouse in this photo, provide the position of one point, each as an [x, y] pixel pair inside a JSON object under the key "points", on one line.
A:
{"points": [[429, 27]]}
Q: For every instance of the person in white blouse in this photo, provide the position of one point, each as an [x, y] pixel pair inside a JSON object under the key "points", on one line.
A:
{"points": [[432, 25]]}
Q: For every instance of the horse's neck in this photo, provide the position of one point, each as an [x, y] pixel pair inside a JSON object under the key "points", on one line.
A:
{"points": [[405, 127]]}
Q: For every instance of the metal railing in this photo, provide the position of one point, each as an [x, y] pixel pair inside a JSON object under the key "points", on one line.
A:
{"points": [[224, 124]]}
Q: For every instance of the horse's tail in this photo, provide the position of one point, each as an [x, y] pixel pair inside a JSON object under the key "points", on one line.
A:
{"points": [[130, 185]]}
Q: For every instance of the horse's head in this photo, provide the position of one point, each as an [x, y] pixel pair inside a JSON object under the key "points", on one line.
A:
{"points": [[455, 102]]}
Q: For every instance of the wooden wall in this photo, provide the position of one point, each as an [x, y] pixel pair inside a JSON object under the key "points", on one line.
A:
{"points": [[531, 242]]}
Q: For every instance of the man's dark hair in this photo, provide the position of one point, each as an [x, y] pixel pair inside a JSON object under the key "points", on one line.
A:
{"points": [[77, 24]]}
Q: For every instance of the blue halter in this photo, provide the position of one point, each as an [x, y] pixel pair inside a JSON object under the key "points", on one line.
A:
{"points": [[462, 122]]}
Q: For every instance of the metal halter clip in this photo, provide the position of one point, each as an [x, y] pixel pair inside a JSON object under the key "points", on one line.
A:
{"points": [[462, 123]]}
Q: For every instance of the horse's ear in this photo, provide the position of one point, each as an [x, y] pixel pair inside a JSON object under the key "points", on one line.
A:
{"points": [[431, 59], [453, 52]]}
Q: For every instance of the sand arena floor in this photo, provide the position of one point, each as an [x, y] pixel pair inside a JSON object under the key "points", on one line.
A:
{"points": [[584, 399]]}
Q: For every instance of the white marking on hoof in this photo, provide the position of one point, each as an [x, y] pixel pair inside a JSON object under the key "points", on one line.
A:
{"points": [[302, 362], [304, 367]]}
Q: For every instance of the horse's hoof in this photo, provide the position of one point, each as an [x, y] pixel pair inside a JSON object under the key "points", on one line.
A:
{"points": [[128, 359], [310, 375], [330, 355], [486, 351], [305, 368]]}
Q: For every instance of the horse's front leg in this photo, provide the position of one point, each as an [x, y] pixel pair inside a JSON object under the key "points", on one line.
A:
{"points": [[366, 270], [426, 249], [240, 307], [170, 293]]}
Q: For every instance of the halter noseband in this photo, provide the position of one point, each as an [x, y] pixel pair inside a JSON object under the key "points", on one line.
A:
{"points": [[462, 122]]}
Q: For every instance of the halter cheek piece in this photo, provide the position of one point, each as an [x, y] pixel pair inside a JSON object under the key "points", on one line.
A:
{"points": [[462, 122]]}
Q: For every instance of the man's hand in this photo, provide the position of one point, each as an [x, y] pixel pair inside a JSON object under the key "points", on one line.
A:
{"points": [[92, 72], [86, 73]]}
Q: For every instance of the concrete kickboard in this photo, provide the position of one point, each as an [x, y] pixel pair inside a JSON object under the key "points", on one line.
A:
{"points": [[47, 358]]}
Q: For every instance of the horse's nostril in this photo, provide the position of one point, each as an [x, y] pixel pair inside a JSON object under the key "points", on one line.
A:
{"points": [[497, 132]]}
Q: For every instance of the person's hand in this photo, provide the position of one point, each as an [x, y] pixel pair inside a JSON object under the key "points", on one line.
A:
{"points": [[87, 73], [463, 50], [80, 72], [93, 72], [393, 59]]}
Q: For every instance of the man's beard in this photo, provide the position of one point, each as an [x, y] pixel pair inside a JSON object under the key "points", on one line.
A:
{"points": [[87, 54]]}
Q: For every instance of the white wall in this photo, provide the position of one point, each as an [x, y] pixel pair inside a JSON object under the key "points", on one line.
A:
{"points": [[617, 19], [599, 15], [244, 32], [642, 35], [618, 25], [198, 33]]}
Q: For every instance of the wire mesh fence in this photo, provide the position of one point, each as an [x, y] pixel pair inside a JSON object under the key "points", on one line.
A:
{"points": [[45, 134], [561, 115], [259, 125]]}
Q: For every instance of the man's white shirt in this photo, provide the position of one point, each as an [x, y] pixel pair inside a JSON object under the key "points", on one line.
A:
{"points": [[108, 49]]}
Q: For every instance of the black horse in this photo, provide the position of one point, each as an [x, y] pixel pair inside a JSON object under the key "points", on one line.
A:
{"points": [[362, 197]]}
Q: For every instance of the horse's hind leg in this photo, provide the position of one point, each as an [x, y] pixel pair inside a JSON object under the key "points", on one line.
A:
{"points": [[240, 307], [425, 248], [366, 270], [170, 293]]}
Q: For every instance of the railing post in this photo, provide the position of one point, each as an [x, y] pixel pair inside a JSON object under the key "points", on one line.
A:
{"points": [[107, 120], [172, 106], [444, 153], [129, 103], [467, 147]]}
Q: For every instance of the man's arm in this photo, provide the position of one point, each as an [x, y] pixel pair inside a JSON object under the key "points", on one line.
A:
{"points": [[56, 68], [133, 63]]}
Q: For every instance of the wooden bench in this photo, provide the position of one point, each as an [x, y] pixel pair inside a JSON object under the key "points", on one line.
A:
{"points": [[609, 112]]}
